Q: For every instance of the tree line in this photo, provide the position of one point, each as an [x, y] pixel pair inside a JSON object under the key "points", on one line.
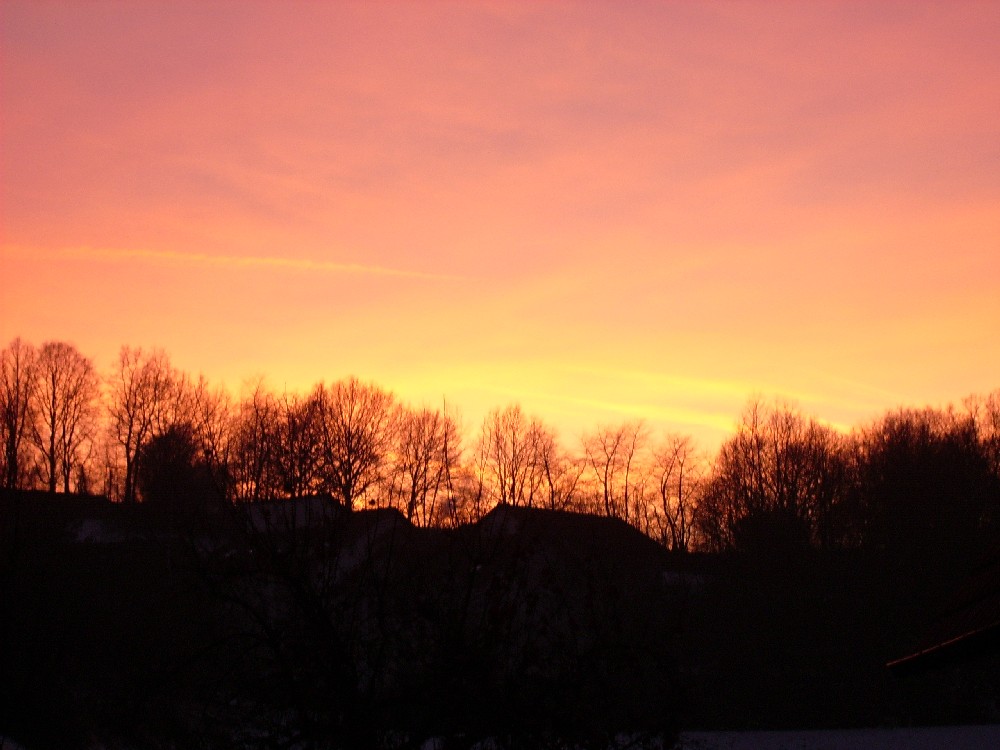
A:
{"points": [[147, 432]]}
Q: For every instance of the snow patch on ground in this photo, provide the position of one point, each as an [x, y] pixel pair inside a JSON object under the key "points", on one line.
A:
{"points": [[915, 738]]}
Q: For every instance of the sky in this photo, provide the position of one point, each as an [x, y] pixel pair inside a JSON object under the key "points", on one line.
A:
{"points": [[599, 210]]}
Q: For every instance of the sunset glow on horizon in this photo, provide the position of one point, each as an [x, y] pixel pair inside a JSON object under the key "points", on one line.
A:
{"points": [[602, 211]]}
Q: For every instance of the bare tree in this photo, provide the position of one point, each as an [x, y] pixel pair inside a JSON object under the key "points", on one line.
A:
{"points": [[140, 392], [205, 416], [79, 425], [256, 444], [298, 440], [780, 469], [614, 456], [679, 474], [356, 424], [66, 389], [510, 456], [215, 430], [17, 375], [427, 443], [985, 414], [474, 497], [561, 472]]}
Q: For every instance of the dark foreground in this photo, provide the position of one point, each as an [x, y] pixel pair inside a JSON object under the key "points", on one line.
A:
{"points": [[122, 627]]}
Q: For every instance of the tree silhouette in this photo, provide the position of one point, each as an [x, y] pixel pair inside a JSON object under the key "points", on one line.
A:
{"points": [[65, 393], [561, 471], [925, 491], [17, 376], [680, 479], [140, 391], [209, 413], [614, 454], [356, 432], [174, 477], [297, 445], [779, 466], [511, 463], [256, 442], [427, 445]]}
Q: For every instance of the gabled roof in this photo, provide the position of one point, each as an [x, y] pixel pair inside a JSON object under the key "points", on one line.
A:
{"points": [[310, 511], [579, 540], [968, 626]]}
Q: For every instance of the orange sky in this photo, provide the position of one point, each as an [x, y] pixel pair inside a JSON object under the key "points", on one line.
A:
{"points": [[599, 209]]}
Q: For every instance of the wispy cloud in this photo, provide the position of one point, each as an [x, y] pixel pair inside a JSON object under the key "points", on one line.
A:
{"points": [[657, 382], [644, 410], [234, 262]]}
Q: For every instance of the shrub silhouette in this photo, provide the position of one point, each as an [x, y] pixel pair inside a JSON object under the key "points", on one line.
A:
{"points": [[174, 478]]}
